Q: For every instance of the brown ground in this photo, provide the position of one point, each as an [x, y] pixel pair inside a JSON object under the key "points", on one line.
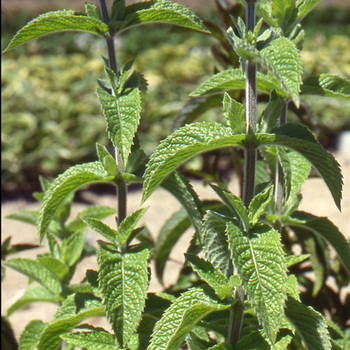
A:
{"points": [[317, 200]]}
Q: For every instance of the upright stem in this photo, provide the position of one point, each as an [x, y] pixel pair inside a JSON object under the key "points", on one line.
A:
{"points": [[122, 189], [237, 311], [251, 100]]}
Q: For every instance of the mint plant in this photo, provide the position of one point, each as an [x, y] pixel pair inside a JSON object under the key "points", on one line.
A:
{"points": [[236, 289]]}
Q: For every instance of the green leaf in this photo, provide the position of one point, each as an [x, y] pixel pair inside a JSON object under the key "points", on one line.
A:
{"points": [[128, 224], [236, 206], [122, 114], [221, 346], [162, 11], [309, 324], [169, 234], [76, 308], [183, 144], [330, 85], [261, 266], [57, 267], [234, 79], [183, 191], [36, 294], [65, 184], [211, 275], [27, 216], [123, 281], [284, 12], [258, 205], [296, 259], [93, 211], [296, 170], [72, 247], [194, 108], [271, 116], [92, 11], [182, 316], [299, 138], [305, 6], [252, 340], [96, 340], [107, 160], [30, 336], [37, 271], [102, 228], [214, 241], [282, 59], [57, 21], [323, 227], [235, 114]]}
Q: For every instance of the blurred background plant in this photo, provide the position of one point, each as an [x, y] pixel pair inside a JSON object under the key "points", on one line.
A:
{"points": [[51, 120]]}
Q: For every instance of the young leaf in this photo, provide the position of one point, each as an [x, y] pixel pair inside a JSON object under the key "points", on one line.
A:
{"points": [[128, 224], [98, 339], [296, 170], [107, 160], [282, 59], [234, 79], [235, 114], [123, 281], [309, 324], [182, 316], [284, 12], [212, 275], [324, 228], [305, 6], [252, 340], [92, 11], [102, 228], [163, 11], [222, 346], [57, 21], [183, 144], [37, 271], [235, 204], [66, 183], [27, 216], [271, 116], [72, 247], [214, 241], [183, 191], [122, 114], [32, 295], [93, 211], [55, 266], [330, 85], [76, 308], [30, 336], [168, 236], [258, 205], [261, 266], [300, 139]]}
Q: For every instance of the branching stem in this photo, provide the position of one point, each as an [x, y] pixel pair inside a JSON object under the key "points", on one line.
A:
{"points": [[122, 189]]}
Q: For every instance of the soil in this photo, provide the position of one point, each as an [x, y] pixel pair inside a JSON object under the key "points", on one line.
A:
{"points": [[316, 199]]}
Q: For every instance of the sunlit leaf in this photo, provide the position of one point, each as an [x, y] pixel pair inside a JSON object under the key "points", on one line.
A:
{"points": [[57, 21]]}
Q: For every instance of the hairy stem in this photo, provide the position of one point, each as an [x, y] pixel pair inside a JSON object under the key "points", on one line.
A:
{"points": [[250, 153], [122, 189], [237, 311]]}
